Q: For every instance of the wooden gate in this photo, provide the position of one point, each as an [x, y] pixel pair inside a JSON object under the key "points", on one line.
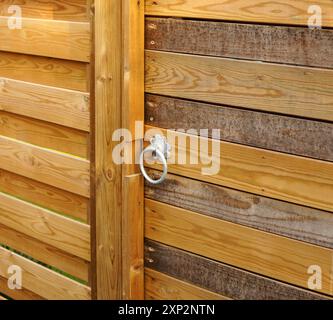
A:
{"points": [[262, 227]]}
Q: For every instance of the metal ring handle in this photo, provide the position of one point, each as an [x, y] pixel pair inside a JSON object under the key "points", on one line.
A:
{"points": [[160, 154]]}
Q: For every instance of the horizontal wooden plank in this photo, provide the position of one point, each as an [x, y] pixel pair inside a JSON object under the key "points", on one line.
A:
{"points": [[44, 134], [279, 11], [22, 294], [65, 234], [64, 107], [220, 278], [159, 286], [44, 195], [283, 218], [54, 168], [257, 251], [242, 41], [50, 38], [42, 281], [297, 136], [70, 10], [44, 253], [281, 176], [45, 71], [284, 89]]}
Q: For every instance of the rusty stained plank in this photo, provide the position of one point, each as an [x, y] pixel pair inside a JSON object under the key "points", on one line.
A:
{"points": [[309, 138], [279, 217], [220, 278], [281, 44]]}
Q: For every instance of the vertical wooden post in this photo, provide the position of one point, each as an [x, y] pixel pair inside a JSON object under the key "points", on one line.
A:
{"points": [[117, 193], [107, 174], [133, 110]]}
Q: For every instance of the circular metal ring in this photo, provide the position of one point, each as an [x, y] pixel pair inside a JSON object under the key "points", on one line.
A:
{"points": [[161, 156]]}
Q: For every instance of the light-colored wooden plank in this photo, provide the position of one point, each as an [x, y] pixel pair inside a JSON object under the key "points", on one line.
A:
{"points": [[22, 294], [54, 168], [63, 233], [300, 91], [133, 238], [44, 134], [46, 71], [107, 175], [44, 253], [278, 11], [160, 286], [65, 107], [44, 195], [69, 10], [42, 281], [286, 177], [49, 38], [257, 251]]}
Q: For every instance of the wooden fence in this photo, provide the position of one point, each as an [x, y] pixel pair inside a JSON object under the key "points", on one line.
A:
{"points": [[75, 222], [45, 149], [256, 71], [61, 79]]}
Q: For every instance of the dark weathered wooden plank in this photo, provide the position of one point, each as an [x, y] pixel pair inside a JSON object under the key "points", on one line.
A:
{"points": [[283, 218], [293, 135], [218, 277], [294, 45]]}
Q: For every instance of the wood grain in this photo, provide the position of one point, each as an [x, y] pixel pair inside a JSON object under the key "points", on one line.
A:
{"points": [[64, 107], [285, 177], [70, 10], [108, 77], [65, 74], [46, 196], [292, 135], [54, 168], [133, 238], [134, 65], [257, 251], [132, 110], [42, 281], [159, 286], [278, 11], [44, 134], [49, 38], [65, 234], [44, 253], [284, 89], [242, 41], [220, 278], [22, 294], [282, 218]]}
